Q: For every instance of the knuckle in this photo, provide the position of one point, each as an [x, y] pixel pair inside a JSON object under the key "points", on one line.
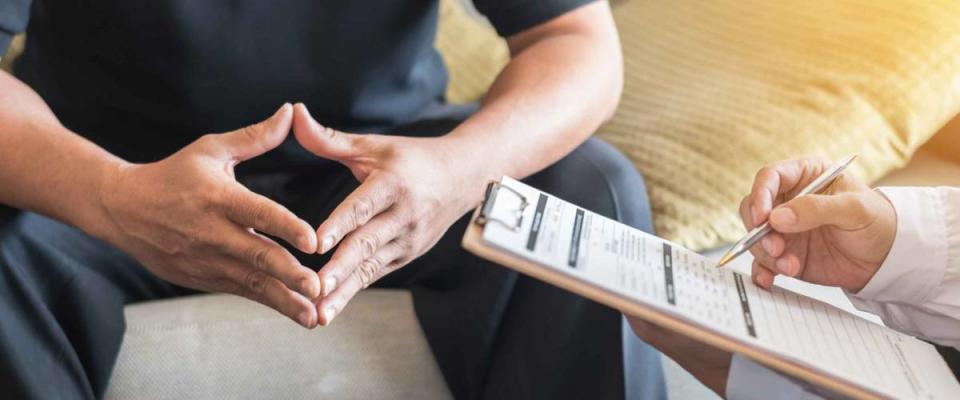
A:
{"points": [[219, 195], [766, 170], [368, 245], [254, 282], [207, 141], [399, 187], [362, 210], [765, 174], [329, 132], [259, 257], [406, 243], [368, 270]]}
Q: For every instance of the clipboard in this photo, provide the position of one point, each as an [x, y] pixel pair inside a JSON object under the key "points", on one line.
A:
{"points": [[474, 243]]}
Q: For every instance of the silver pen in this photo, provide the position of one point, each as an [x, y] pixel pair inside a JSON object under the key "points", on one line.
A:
{"points": [[754, 236]]}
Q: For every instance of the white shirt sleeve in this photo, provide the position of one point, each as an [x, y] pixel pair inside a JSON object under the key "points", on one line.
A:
{"points": [[915, 291]]}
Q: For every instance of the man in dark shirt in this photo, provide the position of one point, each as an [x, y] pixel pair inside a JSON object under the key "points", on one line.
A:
{"points": [[102, 145]]}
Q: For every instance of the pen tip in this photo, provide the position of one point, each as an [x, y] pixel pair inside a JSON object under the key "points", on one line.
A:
{"points": [[724, 260]]}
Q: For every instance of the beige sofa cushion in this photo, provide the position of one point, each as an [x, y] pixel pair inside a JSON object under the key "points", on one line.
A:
{"points": [[227, 347]]}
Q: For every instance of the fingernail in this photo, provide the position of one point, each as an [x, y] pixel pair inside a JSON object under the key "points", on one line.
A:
{"points": [[783, 265], [327, 243], [783, 216], [329, 314], [329, 284], [306, 319]]}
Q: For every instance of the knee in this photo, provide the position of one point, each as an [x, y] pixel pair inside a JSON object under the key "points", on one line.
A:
{"points": [[598, 177]]}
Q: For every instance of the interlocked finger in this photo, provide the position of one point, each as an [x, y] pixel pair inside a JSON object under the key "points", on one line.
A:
{"points": [[360, 246], [370, 270], [373, 197]]}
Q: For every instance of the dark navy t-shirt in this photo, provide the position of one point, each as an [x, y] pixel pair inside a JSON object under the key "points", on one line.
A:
{"points": [[143, 78]]}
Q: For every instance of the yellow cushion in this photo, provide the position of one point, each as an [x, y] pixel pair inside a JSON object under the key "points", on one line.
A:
{"points": [[16, 46], [472, 51], [717, 88]]}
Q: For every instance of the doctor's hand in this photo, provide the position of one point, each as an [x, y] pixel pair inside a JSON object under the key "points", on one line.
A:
{"points": [[188, 221], [837, 238], [412, 190]]}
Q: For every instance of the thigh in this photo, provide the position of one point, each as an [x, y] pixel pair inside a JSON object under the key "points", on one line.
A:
{"points": [[499, 335], [62, 294]]}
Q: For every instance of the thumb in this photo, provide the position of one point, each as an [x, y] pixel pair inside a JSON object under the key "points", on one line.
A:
{"points": [[847, 211], [254, 140], [320, 140]]}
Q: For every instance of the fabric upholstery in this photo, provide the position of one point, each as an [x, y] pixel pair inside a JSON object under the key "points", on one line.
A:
{"points": [[219, 346], [716, 89], [16, 46]]}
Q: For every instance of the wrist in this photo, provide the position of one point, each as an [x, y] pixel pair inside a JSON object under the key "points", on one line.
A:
{"points": [[883, 232], [94, 216], [475, 167]]}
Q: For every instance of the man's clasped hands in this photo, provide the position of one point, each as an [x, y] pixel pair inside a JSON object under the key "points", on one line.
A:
{"points": [[189, 221]]}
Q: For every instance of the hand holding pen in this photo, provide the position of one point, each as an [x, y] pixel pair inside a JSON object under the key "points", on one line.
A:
{"points": [[824, 227]]}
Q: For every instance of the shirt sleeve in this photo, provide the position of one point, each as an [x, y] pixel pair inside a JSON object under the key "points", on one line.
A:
{"points": [[510, 17], [917, 289], [14, 15]]}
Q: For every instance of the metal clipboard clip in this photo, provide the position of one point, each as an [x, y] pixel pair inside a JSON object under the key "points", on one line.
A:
{"points": [[493, 189]]}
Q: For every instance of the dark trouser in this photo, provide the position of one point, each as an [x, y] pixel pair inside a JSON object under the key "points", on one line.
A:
{"points": [[495, 334]]}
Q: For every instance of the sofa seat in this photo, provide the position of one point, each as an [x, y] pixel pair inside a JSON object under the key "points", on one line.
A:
{"points": [[220, 346]]}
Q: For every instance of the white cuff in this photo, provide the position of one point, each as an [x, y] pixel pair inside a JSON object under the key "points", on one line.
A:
{"points": [[915, 265]]}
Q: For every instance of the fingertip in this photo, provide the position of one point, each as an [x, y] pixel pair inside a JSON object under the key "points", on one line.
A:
{"points": [[328, 240], [767, 245], [307, 243], [765, 279], [310, 285], [762, 276], [783, 265], [328, 314], [307, 319], [305, 238], [282, 112], [307, 316], [302, 109], [328, 283], [788, 264], [773, 244]]}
